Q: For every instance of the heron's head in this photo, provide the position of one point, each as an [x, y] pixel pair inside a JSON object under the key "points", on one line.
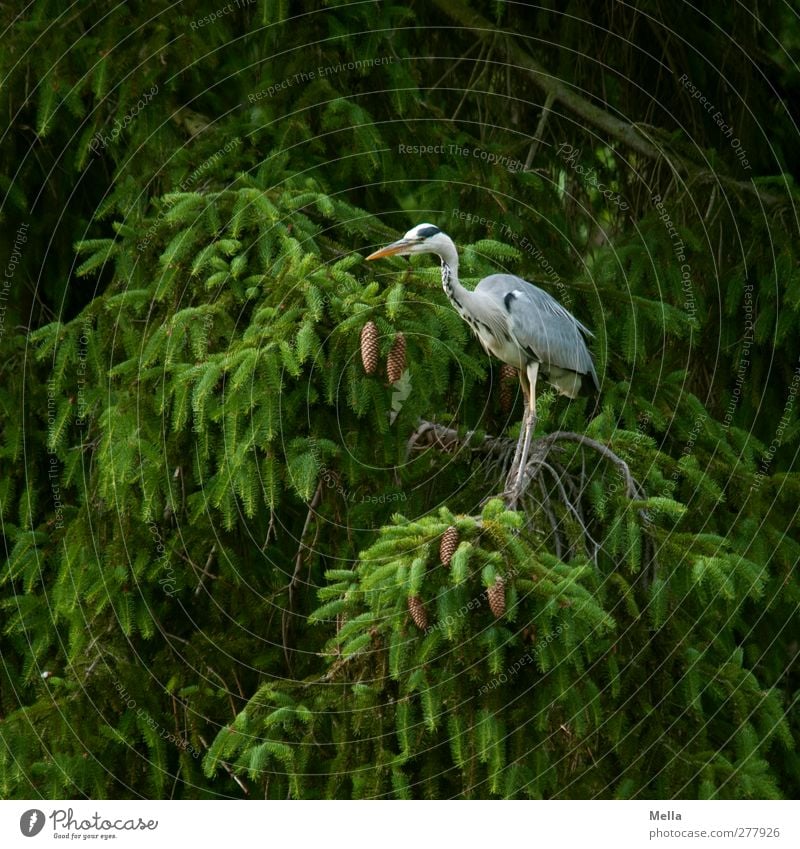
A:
{"points": [[422, 239]]}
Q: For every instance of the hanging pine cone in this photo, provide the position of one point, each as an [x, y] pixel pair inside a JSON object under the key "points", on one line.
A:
{"points": [[508, 379], [497, 597], [396, 361], [370, 349], [418, 613], [448, 545]]}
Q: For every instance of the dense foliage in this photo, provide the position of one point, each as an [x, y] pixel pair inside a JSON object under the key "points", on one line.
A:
{"points": [[212, 523]]}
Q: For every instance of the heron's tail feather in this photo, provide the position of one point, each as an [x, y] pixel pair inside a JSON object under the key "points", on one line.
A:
{"points": [[567, 382]]}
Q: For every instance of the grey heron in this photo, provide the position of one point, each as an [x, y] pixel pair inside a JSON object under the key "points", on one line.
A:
{"points": [[517, 323]]}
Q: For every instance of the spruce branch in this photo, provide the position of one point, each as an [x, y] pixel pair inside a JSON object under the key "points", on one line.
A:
{"points": [[569, 488], [244, 788], [633, 136]]}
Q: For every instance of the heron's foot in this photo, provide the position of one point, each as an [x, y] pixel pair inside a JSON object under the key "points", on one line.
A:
{"points": [[484, 501], [512, 490], [510, 495]]}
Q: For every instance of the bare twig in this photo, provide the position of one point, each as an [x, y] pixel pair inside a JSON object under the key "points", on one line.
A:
{"points": [[447, 439], [298, 565], [205, 573], [270, 529], [451, 67], [539, 132], [548, 510], [633, 488], [469, 85]]}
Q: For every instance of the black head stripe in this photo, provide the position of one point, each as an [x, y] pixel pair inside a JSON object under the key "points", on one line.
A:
{"points": [[426, 232]]}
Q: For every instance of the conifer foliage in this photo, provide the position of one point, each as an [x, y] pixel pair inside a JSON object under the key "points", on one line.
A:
{"points": [[242, 559]]}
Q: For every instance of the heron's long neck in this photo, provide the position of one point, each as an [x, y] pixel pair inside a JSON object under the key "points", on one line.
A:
{"points": [[458, 295]]}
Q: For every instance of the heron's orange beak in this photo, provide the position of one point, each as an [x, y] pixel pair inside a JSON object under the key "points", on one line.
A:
{"points": [[390, 250]]}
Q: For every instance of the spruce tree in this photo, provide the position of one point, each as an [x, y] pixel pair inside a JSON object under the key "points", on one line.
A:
{"points": [[223, 562]]}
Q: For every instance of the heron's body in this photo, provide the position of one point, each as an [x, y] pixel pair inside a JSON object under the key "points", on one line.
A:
{"points": [[520, 324], [517, 323]]}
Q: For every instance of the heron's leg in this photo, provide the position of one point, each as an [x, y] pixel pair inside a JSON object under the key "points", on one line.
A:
{"points": [[529, 425], [514, 467]]}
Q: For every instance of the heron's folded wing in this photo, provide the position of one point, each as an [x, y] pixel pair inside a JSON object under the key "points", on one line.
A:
{"points": [[540, 325]]}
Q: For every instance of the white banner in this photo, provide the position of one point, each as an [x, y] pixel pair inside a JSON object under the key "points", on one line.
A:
{"points": [[401, 825]]}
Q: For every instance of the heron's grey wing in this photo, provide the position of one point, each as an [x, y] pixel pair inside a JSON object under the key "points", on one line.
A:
{"points": [[539, 324]]}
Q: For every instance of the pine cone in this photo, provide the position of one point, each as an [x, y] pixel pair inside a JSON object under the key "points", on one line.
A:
{"points": [[396, 361], [370, 348], [497, 597], [508, 377], [418, 613], [448, 545]]}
